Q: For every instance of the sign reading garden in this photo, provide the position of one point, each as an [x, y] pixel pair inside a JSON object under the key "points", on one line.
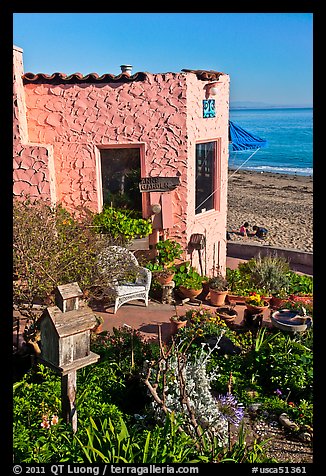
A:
{"points": [[158, 184]]}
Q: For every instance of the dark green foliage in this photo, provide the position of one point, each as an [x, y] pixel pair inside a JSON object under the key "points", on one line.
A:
{"points": [[272, 361], [114, 424], [300, 284], [187, 276], [121, 224]]}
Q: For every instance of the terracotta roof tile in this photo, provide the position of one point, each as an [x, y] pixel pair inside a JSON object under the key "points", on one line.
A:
{"points": [[204, 75], [59, 78]]}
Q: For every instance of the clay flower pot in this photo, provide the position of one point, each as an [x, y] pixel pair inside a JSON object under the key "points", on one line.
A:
{"points": [[226, 313], [177, 323], [235, 298], [164, 277], [190, 293], [277, 302], [217, 298], [256, 309]]}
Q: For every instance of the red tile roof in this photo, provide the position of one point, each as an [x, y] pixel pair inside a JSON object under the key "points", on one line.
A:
{"points": [[59, 78]]}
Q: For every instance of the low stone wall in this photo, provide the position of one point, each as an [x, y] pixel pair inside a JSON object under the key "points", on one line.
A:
{"points": [[297, 259]]}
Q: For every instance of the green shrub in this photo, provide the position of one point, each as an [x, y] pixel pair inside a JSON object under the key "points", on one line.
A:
{"points": [[300, 284], [122, 224], [50, 247], [187, 276], [269, 273]]}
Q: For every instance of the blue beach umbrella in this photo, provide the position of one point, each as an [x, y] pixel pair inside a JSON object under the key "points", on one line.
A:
{"points": [[241, 140]]}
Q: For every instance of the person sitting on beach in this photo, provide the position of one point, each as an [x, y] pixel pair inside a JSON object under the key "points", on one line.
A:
{"points": [[259, 231], [244, 229]]}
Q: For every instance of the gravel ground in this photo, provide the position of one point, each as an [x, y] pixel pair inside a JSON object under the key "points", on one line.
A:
{"points": [[281, 445]]}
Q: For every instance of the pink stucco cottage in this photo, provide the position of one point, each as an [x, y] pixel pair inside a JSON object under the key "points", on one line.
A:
{"points": [[77, 140]]}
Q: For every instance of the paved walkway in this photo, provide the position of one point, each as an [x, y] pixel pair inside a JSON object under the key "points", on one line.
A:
{"points": [[147, 319]]}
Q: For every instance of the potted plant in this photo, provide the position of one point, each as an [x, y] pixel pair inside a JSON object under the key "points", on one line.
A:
{"points": [[256, 303], [269, 273], [162, 268], [227, 313], [189, 281], [218, 289], [300, 287], [160, 274], [278, 299], [177, 322]]}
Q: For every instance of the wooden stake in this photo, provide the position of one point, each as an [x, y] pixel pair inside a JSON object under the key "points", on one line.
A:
{"points": [[68, 398]]}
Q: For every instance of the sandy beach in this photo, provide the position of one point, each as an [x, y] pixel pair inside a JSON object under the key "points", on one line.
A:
{"points": [[281, 203]]}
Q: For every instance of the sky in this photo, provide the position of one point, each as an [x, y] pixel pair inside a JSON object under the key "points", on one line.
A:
{"points": [[269, 56]]}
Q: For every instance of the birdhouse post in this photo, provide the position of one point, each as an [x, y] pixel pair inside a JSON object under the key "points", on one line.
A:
{"points": [[65, 343]]}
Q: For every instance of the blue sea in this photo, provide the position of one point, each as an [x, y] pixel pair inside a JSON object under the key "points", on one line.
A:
{"points": [[289, 133]]}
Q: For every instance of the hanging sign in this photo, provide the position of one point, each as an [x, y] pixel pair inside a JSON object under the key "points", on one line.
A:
{"points": [[158, 184]]}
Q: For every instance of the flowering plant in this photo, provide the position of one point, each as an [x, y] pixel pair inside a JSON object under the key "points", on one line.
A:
{"points": [[256, 300], [230, 408], [200, 315]]}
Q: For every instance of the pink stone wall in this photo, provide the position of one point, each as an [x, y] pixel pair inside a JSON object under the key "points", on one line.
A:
{"points": [[212, 223], [80, 119], [32, 163], [70, 123]]}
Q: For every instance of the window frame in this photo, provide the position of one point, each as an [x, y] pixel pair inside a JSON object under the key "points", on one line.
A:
{"points": [[138, 145], [216, 175]]}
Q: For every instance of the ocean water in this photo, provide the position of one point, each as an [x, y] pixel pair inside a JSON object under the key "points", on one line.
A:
{"points": [[289, 133]]}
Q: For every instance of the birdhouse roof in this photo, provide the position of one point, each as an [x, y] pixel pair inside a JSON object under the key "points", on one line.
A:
{"points": [[68, 291], [70, 322]]}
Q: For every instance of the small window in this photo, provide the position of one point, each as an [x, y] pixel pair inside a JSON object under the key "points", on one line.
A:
{"points": [[205, 176]]}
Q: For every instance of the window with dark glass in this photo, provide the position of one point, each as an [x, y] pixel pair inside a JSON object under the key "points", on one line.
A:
{"points": [[205, 173], [120, 178]]}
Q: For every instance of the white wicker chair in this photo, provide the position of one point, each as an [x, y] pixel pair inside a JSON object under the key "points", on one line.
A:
{"points": [[126, 291]]}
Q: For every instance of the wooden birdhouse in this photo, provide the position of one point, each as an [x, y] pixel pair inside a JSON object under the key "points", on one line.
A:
{"points": [[65, 331], [67, 296]]}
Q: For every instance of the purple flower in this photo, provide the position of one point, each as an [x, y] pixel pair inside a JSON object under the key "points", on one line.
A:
{"points": [[278, 392], [230, 409]]}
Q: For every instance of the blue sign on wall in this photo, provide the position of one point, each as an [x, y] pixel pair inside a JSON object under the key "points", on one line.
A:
{"points": [[208, 108]]}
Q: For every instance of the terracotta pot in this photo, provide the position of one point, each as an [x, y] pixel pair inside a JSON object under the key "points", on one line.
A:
{"points": [[190, 293], [164, 279], [233, 298], [267, 298], [306, 299], [217, 298], [226, 313], [98, 329], [176, 325], [256, 309], [277, 302]]}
